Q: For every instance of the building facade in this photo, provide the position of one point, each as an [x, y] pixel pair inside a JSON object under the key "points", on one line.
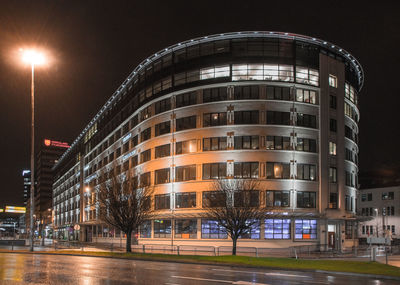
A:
{"points": [[382, 205], [277, 107], [26, 175], [47, 156]]}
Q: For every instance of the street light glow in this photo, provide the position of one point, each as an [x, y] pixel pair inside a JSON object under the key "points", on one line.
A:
{"points": [[33, 57]]}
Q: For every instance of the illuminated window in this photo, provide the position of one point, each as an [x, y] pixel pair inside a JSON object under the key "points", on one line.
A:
{"points": [[214, 72], [188, 146], [186, 228], [145, 229], [277, 228], [306, 96], [162, 228], [278, 170], [210, 229], [214, 119], [305, 229], [332, 148], [332, 81], [271, 72], [253, 232]]}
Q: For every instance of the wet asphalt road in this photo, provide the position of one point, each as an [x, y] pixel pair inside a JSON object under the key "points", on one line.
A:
{"points": [[56, 269]]}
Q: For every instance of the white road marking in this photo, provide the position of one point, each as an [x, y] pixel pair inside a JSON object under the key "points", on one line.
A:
{"points": [[221, 281], [203, 279], [286, 275], [268, 273]]}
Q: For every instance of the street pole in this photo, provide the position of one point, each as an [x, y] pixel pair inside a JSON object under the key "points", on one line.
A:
{"points": [[32, 200]]}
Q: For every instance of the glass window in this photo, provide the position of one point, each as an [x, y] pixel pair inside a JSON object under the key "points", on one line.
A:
{"points": [[278, 93], [305, 120], [332, 81], [214, 170], [145, 156], [162, 151], [247, 198], [277, 228], [162, 201], [246, 92], [215, 143], [333, 200], [305, 229], [332, 101], [246, 117], [214, 119], [280, 198], [145, 135], [214, 94], [162, 128], [306, 199], [161, 176], [272, 72], [246, 170], [278, 118], [332, 148], [246, 142], [162, 106], [307, 75], [306, 96], [210, 229], [188, 146], [145, 179], [145, 229], [278, 170], [186, 99], [306, 172], [162, 228], [186, 173], [185, 200], [332, 174], [253, 232], [213, 199], [186, 123], [214, 72], [186, 228]]}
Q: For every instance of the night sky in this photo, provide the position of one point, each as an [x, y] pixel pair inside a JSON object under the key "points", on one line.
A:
{"points": [[94, 45]]}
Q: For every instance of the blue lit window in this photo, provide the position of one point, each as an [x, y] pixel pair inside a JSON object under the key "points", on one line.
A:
{"points": [[253, 232], [305, 229], [211, 229], [277, 228]]}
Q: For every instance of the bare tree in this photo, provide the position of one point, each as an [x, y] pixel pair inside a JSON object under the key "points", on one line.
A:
{"points": [[235, 205], [123, 204]]}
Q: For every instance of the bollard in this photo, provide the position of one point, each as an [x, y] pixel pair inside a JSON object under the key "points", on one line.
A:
{"points": [[177, 250], [12, 246], [373, 253], [215, 253], [256, 252], [144, 250], [55, 246]]}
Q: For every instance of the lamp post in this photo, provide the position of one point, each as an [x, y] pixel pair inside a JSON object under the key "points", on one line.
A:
{"points": [[33, 58]]}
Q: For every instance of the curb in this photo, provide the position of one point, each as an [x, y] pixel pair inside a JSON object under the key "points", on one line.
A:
{"points": [[388, 277]]}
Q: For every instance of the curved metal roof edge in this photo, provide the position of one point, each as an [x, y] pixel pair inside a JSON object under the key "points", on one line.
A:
{"points": [[244, 34]]}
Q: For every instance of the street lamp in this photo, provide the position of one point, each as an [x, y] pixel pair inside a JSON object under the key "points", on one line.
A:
{"points": [[33, 58]]}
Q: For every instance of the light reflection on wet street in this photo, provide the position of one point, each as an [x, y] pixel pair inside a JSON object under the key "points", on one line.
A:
{"points": [[58, 269]]}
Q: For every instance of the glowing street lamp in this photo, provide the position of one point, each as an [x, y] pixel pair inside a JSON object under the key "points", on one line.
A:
{"points": [[33, 58]]}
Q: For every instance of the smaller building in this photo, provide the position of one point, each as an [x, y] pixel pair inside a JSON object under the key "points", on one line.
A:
{"points": [[26, 175], [383, 206]]}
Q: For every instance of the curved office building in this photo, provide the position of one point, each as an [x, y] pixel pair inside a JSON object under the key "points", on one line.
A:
{"points": [[277, 107]]}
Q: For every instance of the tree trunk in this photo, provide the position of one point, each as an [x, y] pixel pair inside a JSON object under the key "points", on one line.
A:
{"points": [[128, 241], [234, 240]]}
